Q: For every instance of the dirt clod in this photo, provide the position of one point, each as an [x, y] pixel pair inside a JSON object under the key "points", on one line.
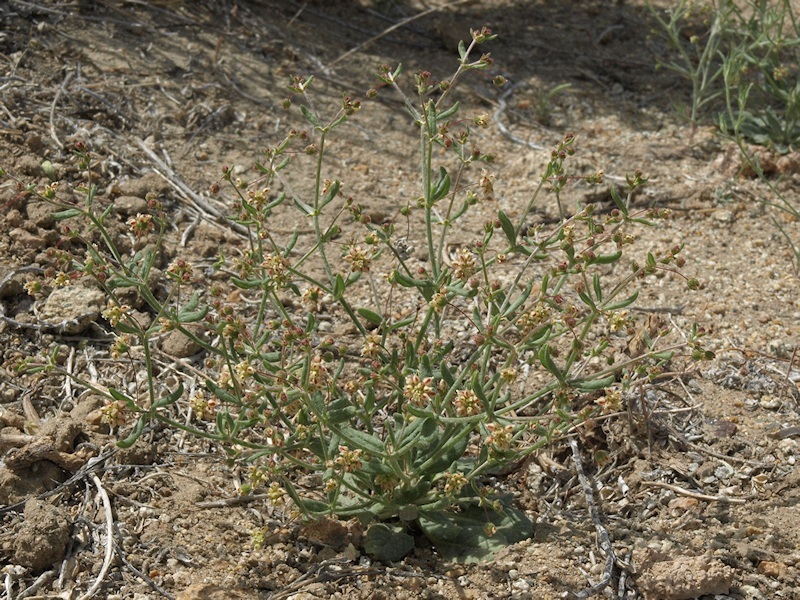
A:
{"points": [[684, 578], [42, 539]]}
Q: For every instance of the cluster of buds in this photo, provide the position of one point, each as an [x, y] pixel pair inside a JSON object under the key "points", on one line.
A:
{"points": [[359, 259], [350, 106], [317, 374], [467, 403], [486, 184], [418, 391], [121, 345], [276, 266], [372, 346], [276, 494], [439, 301], [49, 191], [533, 318], [509, 374], [611, 402], [243, 370], [61, 279], [386, 483], [141, 225], [180, 270], [464, 264], [500, 437], [454, 483], [113, 413], [348, 460], [33, 287], [311, 298], [258, 198], [204, 408], [619, 320], [115, 313]]}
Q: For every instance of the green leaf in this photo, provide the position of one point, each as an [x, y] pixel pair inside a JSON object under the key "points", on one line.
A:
{"points": [[412, 494], [370, 316], [225, 424], [447, 113], [338, 121], [420, 413], [413, 432], [442, 185], [403, 323], [547, 362], [120, 397], [49, 170], [405, 281], [332, 233], [134, 435], [598, 290], [591, 385], [587, 300], [508, 228], [189, 313], [340, 410], [307, 506], [462, 536], [477, 387], [333, 189], [220, 393], [305, 208], [462, 50], [309, 115], [171, 398], [287, 250], [618, 200], [627, 302], [359, 439], [430, 119], [432, 461], [67, 214], [338, 287], [425, 366], [245, 284], [606, 259], [447, 374], [123, 327], [388, 544], [512, 308]]}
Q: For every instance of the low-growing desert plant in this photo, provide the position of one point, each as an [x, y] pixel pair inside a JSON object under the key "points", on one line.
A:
{"points": [[746, 49], [695, 32], [457, 364]]}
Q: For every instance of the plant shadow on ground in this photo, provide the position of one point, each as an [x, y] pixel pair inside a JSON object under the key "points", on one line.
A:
{"points": [[206, 102]]}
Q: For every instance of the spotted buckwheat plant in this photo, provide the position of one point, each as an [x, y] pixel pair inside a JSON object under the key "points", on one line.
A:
{"points": [[455, 361]]}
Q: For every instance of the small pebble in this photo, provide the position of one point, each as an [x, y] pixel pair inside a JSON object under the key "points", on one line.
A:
{"points": [[769, 402]]}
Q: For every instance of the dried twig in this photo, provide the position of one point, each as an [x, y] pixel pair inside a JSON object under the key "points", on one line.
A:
{"points": [[109, 539], [142, 576], [697, 495], [235, 501], [56, 98], [602, 532], [198, 202], [501, 107], [34, 587]]}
